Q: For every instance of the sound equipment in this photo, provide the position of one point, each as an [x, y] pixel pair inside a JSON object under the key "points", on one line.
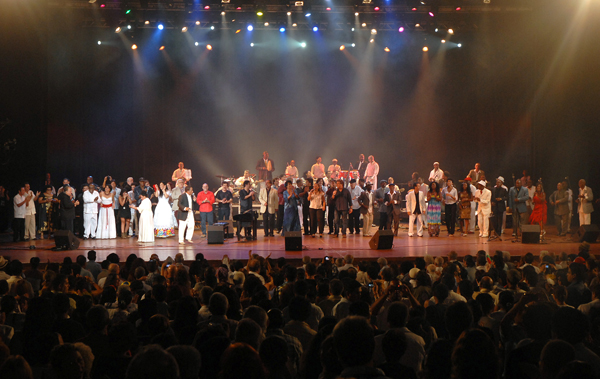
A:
{"points": [[382, 240], [65, 240], [293, 241], [215, 234], [587, 233], [531, 234]]}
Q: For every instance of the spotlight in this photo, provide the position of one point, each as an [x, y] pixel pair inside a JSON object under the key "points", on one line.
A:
{"points": [[207, 7], [342, 47], [352, 29], [425, 48], [414, 9], [376, 9], [308, 14], [147, 22], [450, 31], [196, 43], [209, 47], [356, 14], [458, 8], [197, 22], [328, 9], [160, 27], [99, 42], [303, 44], [134, 47], [364, 25], [417, 25], [387, 49], [252, 44], [259, 13], [250, 28], [161, 48], [373, 31], [222, 13], [92, 1], [401, 29], [212, 27], [436, 30], [282, 29], [128, 11], [459, 45], [266, 24], [353, 44], [443, 41], [184, 29], [315, 28], [294, 25], [431, 14], [102, 5], [129, 27], [118, 29], [371, 40], [237, 31], [289, 13], [239, 8]]}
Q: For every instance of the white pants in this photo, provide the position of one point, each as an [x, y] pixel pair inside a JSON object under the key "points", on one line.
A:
{"points": [[411, 223], [30, 227], [189, 223], [484, 224], [584, 219], [90, 222], [473, 217], [367, 223]]}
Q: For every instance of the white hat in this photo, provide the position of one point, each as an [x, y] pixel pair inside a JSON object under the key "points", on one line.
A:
{"points": [[501, 178], [413, 272], [436, 163], [482, 182]]}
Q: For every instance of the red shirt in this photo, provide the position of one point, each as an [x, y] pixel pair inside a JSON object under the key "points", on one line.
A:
{"points": [[205, 207]]}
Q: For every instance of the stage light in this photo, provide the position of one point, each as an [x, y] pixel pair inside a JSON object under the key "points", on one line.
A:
{"points": [[282, 29], [208, 47], [99, 42], [102, 5], [459, 45], [458, 8], [303, 44], [237, 31], [118, 29], [373, 31], [443, 41], [425, 48], [353, 44], [401, 29], [294, 25], [92, 1], [327, 9], [431, 14], [184, 29], [266, 24], [196, 43], [342, 47], [364, 25], [352, 29], [222, 13], [308, 14], [252, 44], [161, 48], [212, 27], [250, 28], [160, 27], [289, 13], [129, 27], [417, 25], [450, 31], [197, 22], [376, 9], [128, 11], [387, 49], [133, 47], [147, 22], [207, 7], [436, 30], [315, 28], [371, 40], [356, 14], [239, 8], [414, 9], [259, 13]]}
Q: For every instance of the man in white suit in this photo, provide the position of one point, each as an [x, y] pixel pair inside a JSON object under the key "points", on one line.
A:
{"points": [[483, 197], [91, 198], [585, 205], [416, 207], [269, 204]]}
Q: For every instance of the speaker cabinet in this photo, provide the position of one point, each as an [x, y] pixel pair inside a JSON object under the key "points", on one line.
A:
{"points": [[215, 234], [587, 233], [531, 233], [293, 241], [65, 240], [382, 240]]}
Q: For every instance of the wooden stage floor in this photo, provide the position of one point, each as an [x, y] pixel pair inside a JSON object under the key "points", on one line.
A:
{"points": [[356, 245]]}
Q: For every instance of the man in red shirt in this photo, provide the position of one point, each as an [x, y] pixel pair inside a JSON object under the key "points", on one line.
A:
{"points": [[205, 200]]}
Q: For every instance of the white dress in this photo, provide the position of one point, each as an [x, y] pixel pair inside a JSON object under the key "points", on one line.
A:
{"points": [[163, 218], [146, 222], [106, 219]]}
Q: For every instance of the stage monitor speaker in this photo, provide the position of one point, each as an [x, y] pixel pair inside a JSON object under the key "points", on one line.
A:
{"points": [[65, 240], [215, 234], [293, 241], [587, 233], [531, 233], [382, 240]]}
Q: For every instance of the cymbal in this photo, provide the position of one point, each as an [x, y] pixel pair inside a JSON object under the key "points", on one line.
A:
{"points": [[221, 176]]}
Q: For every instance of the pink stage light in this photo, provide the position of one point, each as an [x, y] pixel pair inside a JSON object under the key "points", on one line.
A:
{"points": [[207, 7], [376, 9], [102, 5], [401, 29], [431, 14], [458, 8], [414, 9]]}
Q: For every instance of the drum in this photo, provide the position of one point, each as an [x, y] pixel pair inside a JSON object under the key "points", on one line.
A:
{"points": [[342, 174], [354, 174]]}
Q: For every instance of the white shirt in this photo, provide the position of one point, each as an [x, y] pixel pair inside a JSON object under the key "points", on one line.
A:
{"points": [[19, 211], [117, 193], [291, 171], [531, 193], [370, 202], [371, 173], [446, 195], [189, 201], [355, 193], [30, 209], [436, 175], [240, 181], [89, 205], [570, 192], [586, 308], [334, 170], [318, 170]]}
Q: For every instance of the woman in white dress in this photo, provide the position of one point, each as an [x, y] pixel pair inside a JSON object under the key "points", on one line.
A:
{"points": [[163, 215], [107, 228], [146, 221]]}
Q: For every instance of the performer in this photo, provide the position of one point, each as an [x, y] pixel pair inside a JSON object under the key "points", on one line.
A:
{"points": [[91, 198], [317, 208], [483, 198], [205, 200], [449, 199], [331, 208], [434, 210], [146, 222], [343, 207], [175, 194], [280, 211], [67, 183], [291, 171], [530, 204], [473, 219], [224, 197], [525, 178], [20, 205], [247, 196], [415, 206], [565, 185], [436, 174], [30, 228], [499, 197], [163, 216], [125, 211], [393, 201], [182, 173], [361, 166], [517, 202], [539, 215], [366, 209], [302, 190], [240, 181], [379, 202], [67, 208], [466, 197], [333, 171], [265, 167], [586, 205], [116, 192], [185, 215], [391, 181], [371, 171], [560, 199], [48, 205], [355, 192], [291, 220], [318, 169], [106, 228], [476, 174], [269, 204]]}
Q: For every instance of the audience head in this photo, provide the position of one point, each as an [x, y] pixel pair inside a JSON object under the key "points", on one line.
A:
{"points": [[153, 361], [354, 341]]}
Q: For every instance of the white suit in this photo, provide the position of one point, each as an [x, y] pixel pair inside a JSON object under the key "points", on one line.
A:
{"points": [[484, 211], [411, 206], [90, 213]]}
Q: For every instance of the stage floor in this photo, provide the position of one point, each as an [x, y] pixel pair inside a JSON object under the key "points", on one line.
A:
{"points": [[356, 245]]}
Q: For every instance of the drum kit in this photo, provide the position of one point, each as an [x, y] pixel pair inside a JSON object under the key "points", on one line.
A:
{"points": [[236, 188]]}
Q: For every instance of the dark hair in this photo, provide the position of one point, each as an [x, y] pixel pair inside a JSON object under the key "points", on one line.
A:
{"points": [[354, 341], [144, 193], [437, 188], [475, 356], [468, 189]]}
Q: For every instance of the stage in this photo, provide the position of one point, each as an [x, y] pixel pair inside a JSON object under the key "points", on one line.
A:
{"points": [[357, 245]]}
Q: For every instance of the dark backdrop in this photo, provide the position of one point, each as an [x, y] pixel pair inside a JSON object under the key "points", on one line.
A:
{"points": [[521, 93]]}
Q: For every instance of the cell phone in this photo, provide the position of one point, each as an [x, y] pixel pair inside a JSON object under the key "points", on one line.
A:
{"points": [[371, 285], [327, 258], [167, 266]]}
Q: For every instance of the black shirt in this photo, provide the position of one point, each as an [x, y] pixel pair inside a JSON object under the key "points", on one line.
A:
{"points": [[245, 204], [418, 207], [224, 195]]}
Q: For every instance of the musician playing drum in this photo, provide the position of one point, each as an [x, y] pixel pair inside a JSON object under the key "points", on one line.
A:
{"points": [[334, 169], [291, 171], [240, 181]]}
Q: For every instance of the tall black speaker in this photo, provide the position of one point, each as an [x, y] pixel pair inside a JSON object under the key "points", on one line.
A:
{"points": [[215, 234], [383, 239], [293, 241], [65, 240], [531, 233], [587, 233]]}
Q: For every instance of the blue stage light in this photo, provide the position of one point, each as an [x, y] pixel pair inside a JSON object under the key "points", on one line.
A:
{"points": [[282, 29], [160, 27], [315, 28], [250, 28]]}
